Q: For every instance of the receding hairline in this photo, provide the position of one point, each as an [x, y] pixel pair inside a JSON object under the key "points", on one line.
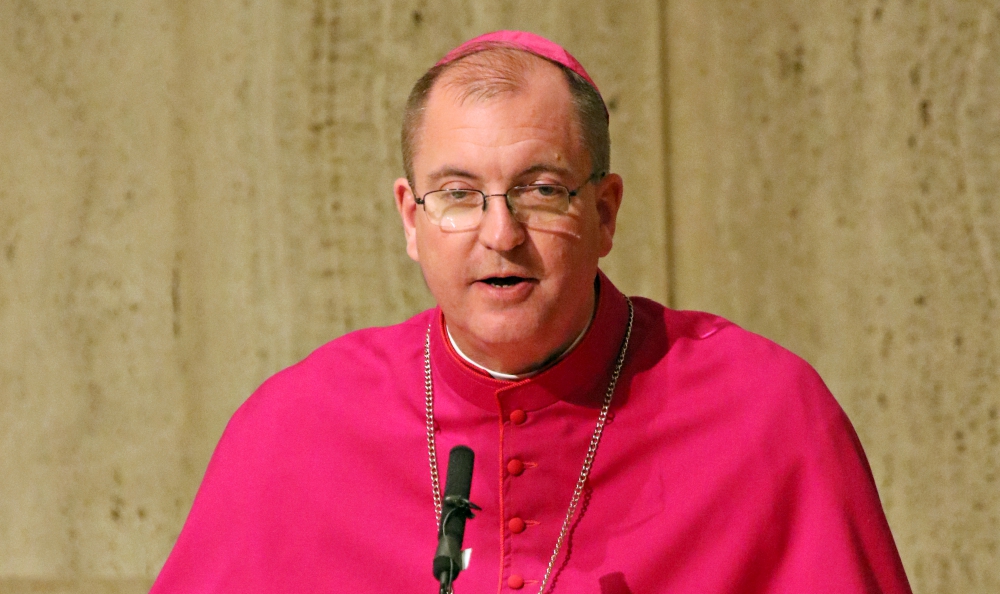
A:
{"points": [[496, 69], [482, 75], [491, 72]]}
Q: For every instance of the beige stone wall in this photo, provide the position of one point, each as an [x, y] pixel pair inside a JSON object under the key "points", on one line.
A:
{"points": [[835, 184], [196, 194]]}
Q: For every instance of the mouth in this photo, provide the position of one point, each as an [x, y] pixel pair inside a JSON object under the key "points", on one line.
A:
{"points": [[504, 281]]}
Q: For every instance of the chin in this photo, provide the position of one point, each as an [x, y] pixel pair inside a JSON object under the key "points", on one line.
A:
{"points": [[504, 330]]}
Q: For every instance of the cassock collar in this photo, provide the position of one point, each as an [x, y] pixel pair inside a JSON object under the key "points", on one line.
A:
{"points": [[580, 377]]}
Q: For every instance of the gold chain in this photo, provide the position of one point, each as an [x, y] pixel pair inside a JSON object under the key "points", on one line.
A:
{"points": [[595, 440]]}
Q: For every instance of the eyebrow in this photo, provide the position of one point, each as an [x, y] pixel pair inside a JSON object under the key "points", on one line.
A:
{"points": [[544, 168], [448, 171]]}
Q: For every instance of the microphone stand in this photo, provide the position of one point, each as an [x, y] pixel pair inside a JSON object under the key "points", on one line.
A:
{"points": [[449, 548]]}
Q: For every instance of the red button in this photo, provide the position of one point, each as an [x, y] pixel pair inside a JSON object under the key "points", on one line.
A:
{"points": [[515, 582], [518, 416], [515, 467], [516, 525]]}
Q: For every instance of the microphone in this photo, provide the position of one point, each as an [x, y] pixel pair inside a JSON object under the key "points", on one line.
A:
{"points": [[455, 510]]}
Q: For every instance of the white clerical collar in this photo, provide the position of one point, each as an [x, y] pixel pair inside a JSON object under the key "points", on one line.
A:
{"points": [[519, 376]]}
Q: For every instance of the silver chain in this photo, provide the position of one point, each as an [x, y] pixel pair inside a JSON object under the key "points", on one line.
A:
{"points": [[431, 448], [595, 440]]}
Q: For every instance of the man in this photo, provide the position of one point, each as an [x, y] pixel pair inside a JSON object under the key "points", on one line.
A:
{"points": [[621, 447]]}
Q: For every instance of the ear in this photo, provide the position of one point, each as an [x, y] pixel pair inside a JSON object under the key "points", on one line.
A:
{"points": [[608, 199], [407, 207]]}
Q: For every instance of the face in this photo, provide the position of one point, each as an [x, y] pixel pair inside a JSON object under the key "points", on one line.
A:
{"points": [[511, 296]]}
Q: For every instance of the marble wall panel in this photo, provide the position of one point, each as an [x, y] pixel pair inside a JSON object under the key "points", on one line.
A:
{"points": [[834, 186], [89, 381]]}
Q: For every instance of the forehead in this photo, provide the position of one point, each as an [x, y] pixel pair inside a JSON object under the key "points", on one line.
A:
{"points": [[482, 118]]}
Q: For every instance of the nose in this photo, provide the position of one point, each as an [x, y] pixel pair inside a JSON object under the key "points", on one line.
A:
{"points": [[499, 230]]}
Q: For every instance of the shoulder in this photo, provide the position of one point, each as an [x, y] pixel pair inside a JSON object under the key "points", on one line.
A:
{"points": [[368, 382], [686, 333], [744, 399], [715, 347], [344, 374], [708, 362]]}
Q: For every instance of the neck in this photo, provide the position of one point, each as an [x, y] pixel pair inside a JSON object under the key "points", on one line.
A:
{"points": [[530, 372]]}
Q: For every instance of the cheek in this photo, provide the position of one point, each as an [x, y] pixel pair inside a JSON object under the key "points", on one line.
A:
{"points": [[442, 260], [567, 258], [582, 243]]}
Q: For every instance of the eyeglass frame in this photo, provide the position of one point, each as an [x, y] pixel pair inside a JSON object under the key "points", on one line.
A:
{"points": [[570, 194]]}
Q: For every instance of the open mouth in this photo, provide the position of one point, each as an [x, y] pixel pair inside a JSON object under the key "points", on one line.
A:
{"points": [[504, 281]]}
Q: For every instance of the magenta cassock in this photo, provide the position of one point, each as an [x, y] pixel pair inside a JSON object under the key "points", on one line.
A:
{"points": [[726, 466]]}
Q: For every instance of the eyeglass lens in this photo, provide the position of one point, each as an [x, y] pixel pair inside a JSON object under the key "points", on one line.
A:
{"points": [[537, 206]]}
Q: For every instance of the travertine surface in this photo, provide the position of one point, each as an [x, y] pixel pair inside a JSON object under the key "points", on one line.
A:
{"points": [[195, 194], [835, 179], [92, 401]]}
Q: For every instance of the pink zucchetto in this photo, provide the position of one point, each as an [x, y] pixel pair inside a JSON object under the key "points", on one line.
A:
{"points": [[525, 41]]}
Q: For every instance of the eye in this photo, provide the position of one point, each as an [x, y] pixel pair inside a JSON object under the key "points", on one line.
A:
{"points": [[457, 195], [543, 191]]}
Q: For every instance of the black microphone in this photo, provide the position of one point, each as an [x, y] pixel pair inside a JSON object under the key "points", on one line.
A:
{"points": [[455, 510]]}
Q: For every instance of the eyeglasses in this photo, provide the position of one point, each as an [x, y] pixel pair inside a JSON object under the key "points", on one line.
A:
{"points": [[538, 206]]}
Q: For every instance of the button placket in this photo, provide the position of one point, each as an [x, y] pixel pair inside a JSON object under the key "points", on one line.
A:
{"points": [[513, 466]]}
